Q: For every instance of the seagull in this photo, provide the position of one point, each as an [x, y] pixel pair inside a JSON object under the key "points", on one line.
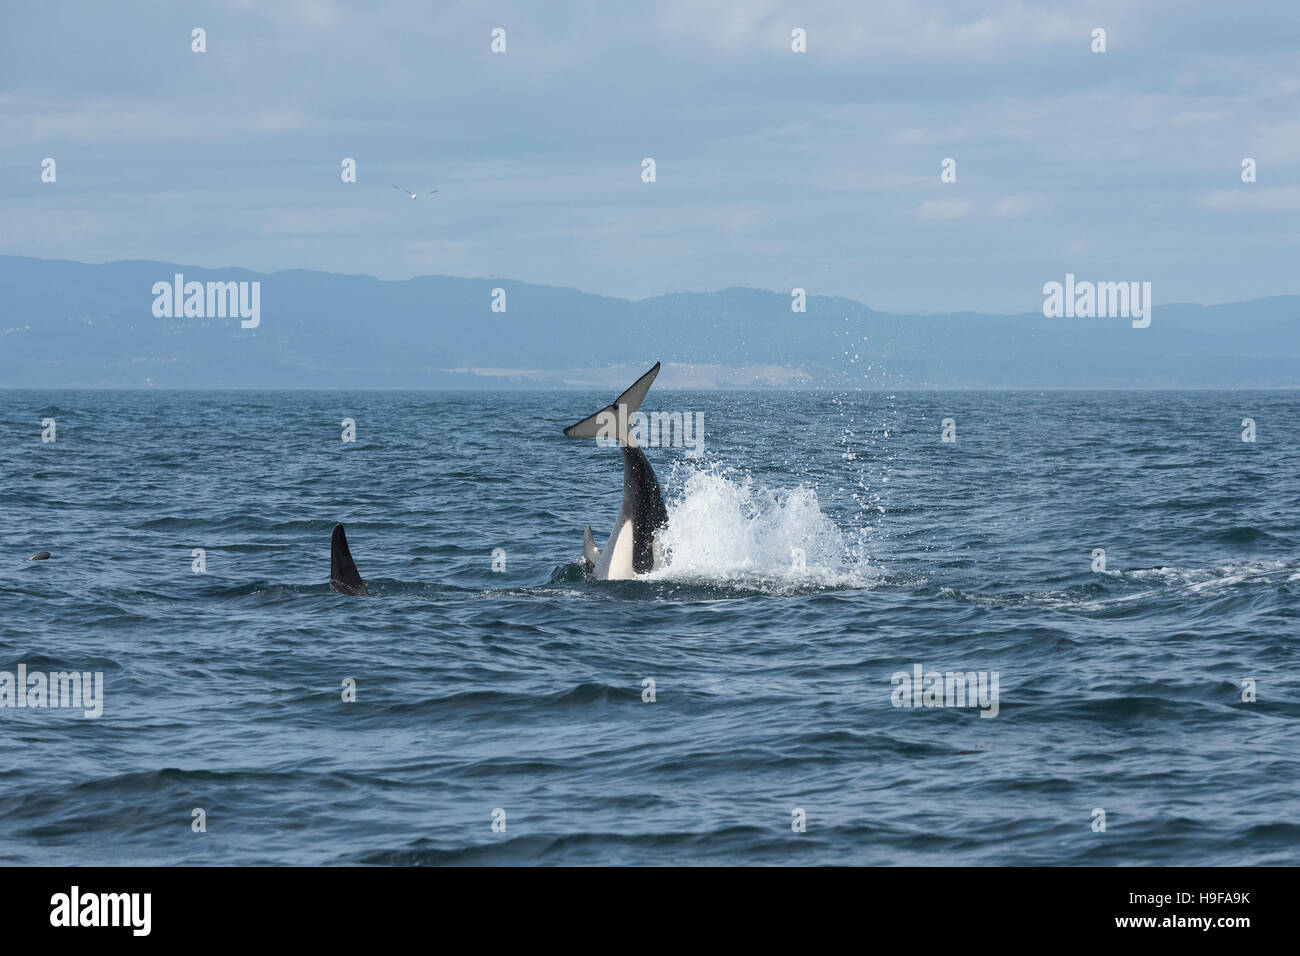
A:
{"points": [[414, 195]]}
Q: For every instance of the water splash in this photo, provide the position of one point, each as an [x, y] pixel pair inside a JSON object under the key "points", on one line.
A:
{"points": [[723, 527]]}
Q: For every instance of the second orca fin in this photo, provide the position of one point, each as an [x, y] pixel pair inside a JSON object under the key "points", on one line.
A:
{"points": [[344, 577]]}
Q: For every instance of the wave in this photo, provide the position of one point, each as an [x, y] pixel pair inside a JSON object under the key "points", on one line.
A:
{"points": [[1114, 589]]}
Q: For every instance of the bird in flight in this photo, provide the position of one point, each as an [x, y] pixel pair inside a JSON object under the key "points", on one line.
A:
{"points": [[414, 195]]}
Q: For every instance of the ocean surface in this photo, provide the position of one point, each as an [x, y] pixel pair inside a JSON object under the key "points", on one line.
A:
{"points": [[819, 543]]}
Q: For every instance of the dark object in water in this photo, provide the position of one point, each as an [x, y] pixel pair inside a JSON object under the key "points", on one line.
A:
{"points": [[344, 576]]}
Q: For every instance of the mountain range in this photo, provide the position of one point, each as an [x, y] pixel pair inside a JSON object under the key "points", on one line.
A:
{"points": [[71, 324]]}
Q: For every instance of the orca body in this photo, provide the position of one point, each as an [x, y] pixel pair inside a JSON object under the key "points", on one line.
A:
{"points": [[630, 549], [40, 556], [344, 577]]}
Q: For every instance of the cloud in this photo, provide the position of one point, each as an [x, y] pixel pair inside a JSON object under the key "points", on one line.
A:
{"points": [[1196, 116], [929, 137], [1279, 143], [840, 30], [1018, 205], [944, 208], [771, 164], [1254, 197]]}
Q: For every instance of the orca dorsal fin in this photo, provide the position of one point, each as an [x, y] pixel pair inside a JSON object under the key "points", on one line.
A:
{"points": [[631, 399], [344, 577], [589, 552]]}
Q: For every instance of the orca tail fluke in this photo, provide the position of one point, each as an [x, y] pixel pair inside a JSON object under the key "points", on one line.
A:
{"points": [[344, 577], [630, 400], [589, 553]]}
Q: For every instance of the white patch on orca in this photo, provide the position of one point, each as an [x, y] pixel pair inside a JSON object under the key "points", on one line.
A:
{"points": [[618, 554]]}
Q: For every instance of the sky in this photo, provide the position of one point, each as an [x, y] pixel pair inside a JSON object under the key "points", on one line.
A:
{"points": [[774, 169]]}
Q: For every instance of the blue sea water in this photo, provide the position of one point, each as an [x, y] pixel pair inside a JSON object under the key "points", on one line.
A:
{"points": [[521, 689]]}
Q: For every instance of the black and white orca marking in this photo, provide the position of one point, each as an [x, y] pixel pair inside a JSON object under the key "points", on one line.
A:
{"points": [[344, 577], [631, 547], [40, 556]]}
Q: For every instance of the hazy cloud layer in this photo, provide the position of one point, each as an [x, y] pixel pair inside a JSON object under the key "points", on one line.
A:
{"points": [[775, 169]]}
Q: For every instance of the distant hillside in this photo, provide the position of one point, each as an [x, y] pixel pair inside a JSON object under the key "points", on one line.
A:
{"points": [[68, 324]]}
